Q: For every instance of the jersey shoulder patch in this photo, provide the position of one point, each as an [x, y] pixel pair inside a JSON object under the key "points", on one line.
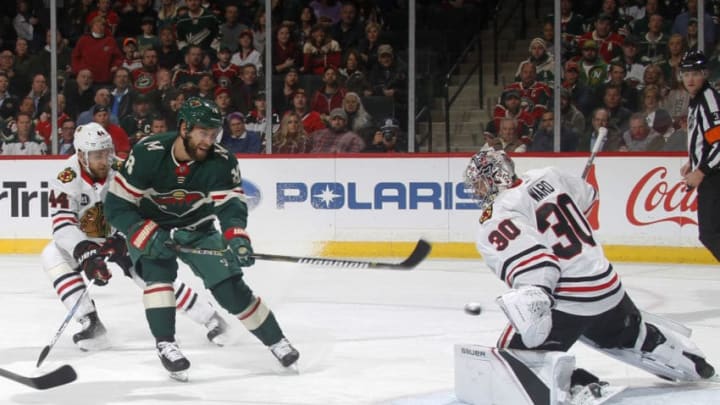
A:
{"points": [[67, 175]]}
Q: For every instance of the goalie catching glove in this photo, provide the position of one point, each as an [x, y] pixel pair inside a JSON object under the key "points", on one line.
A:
{"points": [[240, 246], [529, 310], [92, 262]]}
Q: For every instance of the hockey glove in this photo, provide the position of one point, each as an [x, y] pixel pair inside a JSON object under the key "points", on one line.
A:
{"points": [[92, 262], [149, 239], [529, 310], [239, 244], [115, 248]]}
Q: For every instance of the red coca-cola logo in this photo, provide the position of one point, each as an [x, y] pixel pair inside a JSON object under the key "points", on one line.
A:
{"points": [[654, 200]]}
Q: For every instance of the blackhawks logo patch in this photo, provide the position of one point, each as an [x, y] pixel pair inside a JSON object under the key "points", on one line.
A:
{"points": [[487, 214], [67, 175]]}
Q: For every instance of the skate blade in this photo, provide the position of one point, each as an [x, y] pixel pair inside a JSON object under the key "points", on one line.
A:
{"points": [[181, 376], [95, 344]]}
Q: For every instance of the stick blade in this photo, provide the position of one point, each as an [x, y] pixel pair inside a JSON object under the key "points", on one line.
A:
{"points": [[43, 354], [63, 375], [421, 251]]}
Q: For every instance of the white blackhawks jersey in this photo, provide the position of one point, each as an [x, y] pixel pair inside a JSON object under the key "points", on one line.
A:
{"points": [[537, 233], [76, 206]]}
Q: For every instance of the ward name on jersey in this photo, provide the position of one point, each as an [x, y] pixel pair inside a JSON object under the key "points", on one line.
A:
{"points": [[537, 234], [178, 194]]}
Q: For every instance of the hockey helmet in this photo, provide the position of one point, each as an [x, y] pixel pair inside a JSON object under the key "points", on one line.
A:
{"points": [[91, 138], [489, 173], [201, 112], [693, 60]]}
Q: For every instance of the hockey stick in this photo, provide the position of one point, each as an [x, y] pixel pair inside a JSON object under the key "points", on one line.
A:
{"points": [[422, 249], [599, 143], [46, 350], [60, 376]]}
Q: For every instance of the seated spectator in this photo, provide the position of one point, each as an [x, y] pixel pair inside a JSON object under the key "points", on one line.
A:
{"points": [[389, 77], [639, 137], [258, 29], [25, 23], [7, 60], [287, 54], [630, 60], [102, 98], [291, 137], [311, 120], [601, 119], [39, 93], [692, 34], [246, 53], [571, 22], [593, 69], [167, 13], [27, 106], [507, 138], [198, 27], [172, 100], [23, 60], [509, 107], [239, 139], [682, 23], [677, 46], [144, 79], [222, 100], [43, 125], [187, 75], [544, 138], [138, 124], [608, 43], [612, 101], [353, 76], [105, 12], [230, 30], [543, 62], [97, 52], [307, 21], [669, 138], [158, 126], [121, 95], [653, 45], [101, 115], [257, 119], [327, 8], [283, 95], [676, 101], [320, 52], [389, 138], [22, 139], [629, 95], [535, 96], [206, 86], [329, 96], [147, 38], [243, 92], [368, 46], [67, 137], [570, 116], [651, 100], [225, 72], [337, 138], [359, 121], [347, 31], [169, 56], [640, 25], [653, 75], [8, 102]]}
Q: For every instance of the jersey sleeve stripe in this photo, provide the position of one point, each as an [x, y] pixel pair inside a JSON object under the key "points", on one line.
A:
{"points": [[61, 226], [589, 289], [542, 265], [124, 190], [596, 277], [552, 262], [223, 196], [510, 261], [59, 220], [64, 212], [585, 298]]}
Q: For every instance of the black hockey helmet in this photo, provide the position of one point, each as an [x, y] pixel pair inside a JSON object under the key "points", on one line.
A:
{"points": [[693, 60]]}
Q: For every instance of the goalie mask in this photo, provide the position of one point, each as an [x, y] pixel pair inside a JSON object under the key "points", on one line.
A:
{"points": [[488, 174], [95, 149]]}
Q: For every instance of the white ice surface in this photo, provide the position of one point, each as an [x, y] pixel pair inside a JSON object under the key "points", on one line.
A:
{"points": [[365, 337]]}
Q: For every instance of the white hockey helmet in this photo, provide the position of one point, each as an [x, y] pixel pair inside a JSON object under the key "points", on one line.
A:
{"points": [[489, 173], [92, 137]]}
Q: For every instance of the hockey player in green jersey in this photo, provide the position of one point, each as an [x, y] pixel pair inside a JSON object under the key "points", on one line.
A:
{"points": [[172, 187]]}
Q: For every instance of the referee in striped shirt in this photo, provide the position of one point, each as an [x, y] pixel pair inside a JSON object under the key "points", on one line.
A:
{"points": [[702, 171]]}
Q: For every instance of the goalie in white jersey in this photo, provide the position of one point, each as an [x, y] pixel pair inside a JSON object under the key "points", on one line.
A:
{"points": [[82, 241], [534, 235]]}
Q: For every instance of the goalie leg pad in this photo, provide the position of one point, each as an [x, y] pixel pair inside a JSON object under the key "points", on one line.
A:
{"points": [[529, 310], [664, 352], [485, 376]]}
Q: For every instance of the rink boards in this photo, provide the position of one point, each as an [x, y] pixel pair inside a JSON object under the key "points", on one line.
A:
{"points": [[380, 205]]}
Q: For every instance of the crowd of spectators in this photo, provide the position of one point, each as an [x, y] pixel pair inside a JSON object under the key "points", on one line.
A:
{"points": [[130, 64], [620, 70]]}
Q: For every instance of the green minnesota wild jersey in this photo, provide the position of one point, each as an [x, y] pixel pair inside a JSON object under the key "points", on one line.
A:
{"points": [[153, 185], [198, 31]]}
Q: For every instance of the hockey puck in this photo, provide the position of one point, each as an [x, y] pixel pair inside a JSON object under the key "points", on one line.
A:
{"points": [[473, 308]]}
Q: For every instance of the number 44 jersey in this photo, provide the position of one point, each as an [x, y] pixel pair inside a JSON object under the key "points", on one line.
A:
{"points": [[536, 233]]}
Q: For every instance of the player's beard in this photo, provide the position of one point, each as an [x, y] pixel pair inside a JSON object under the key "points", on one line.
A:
{"points": [[195, 153]]}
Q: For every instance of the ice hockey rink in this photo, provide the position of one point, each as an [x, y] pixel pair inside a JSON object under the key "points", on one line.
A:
{"points": [[365, 336]]}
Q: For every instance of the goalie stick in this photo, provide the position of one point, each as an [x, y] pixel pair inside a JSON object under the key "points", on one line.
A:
{"points": [[46, 350], [474, 308], [419, 253], [63, 375]]}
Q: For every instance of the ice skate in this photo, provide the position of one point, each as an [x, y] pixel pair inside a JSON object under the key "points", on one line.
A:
{"points": [[92, 336], [217, 328], [173, 360], [285, 353], [703, 368]]}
